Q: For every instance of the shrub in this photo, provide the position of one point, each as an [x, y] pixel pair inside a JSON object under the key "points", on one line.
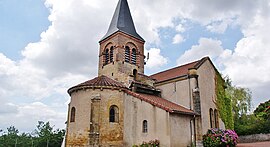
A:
{"points": [[250, 124], [151, 143], [220, 138]]}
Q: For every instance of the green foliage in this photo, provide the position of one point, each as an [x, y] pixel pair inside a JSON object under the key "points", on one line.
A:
{"points": [[250, 124], [245, 123], [263, 110], [46, 135], [232, 101], [12, 131], [220, 138], [12, 138], [43, 135], [224, 103], [151, 143], [256, 123], [241, 98]]}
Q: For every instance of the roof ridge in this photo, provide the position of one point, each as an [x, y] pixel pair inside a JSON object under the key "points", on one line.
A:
{"points": [[162, 103], [176, 67]]}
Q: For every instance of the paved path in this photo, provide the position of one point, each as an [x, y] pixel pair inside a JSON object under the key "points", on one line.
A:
{"points": [[257, 144]]}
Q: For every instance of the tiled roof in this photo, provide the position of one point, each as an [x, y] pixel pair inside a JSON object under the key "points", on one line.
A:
{"points": [[106, 82], [174, 72], [98, 82], [177, 71], [161, 103]]}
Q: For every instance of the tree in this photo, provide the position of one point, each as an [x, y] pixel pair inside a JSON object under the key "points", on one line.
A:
{"points": [[10, 137], [12, 131], [43, 136], [263, 110], [47, 136], [240, 97], [255, 123]]}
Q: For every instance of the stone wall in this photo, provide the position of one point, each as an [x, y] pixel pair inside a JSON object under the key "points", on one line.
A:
{"points": [[178, 91], [119, 69], [136, 111], [206, 79], [91, 126], [173, 130], [181, 130], [254, 138]]}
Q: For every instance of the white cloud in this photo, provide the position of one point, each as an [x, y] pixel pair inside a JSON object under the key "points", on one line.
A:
{"points": [[219, 26], [180, 28], [249, 64], [8, 108], [27, 116], [156, 60], [178, 38], [162, 13], [206, 47], [22, 83]]}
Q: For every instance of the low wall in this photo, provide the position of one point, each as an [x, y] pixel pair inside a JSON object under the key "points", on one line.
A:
{"points": [[254, 138]]}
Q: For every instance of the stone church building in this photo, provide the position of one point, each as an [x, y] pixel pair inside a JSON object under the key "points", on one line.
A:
{"points": [[122, 106]]}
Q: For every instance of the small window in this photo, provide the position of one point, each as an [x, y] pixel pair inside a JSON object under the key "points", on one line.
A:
{"points": [[211, 114], [216, 119], [144, 130], [106, 56], [127, 54], [72, 114], [114, 114], [135, 73], [111, 54], [133, 56], [174, 85]]}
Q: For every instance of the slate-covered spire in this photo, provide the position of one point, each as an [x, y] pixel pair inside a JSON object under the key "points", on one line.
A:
{"points": [[122, 21]]}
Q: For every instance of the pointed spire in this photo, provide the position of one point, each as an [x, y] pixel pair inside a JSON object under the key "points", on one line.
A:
{"points": [[122, 21]]}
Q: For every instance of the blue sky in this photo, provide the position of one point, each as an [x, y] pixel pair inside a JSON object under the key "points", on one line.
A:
{"points": [[47, 46], [21, 22]]}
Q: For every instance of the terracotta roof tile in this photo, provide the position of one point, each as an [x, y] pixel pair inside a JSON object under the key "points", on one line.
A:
{"points": [[174, 72], [98, 82], [178, 71], [106, 82], [161, 103]]}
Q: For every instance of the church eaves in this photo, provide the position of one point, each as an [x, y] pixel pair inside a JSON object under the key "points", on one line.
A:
{"points": [[122, 21], [162, 103], [98, 82]]}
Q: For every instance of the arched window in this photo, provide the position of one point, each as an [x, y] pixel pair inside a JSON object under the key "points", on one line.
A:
{"points": [[144, 126], [127, 54], [216, 119], [106, 56], [72, 114], [211, 114], [133, 56], [114, 114], [111, 54]]}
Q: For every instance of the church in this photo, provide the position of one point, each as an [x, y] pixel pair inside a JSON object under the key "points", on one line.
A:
{"points": [[123, 107]]}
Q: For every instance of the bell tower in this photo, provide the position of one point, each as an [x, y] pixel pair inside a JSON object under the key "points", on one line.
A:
{"points": [[121, 53]]}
